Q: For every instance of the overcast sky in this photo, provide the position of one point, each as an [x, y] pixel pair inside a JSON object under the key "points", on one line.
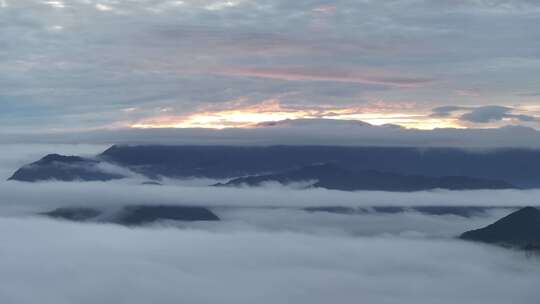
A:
{"points": [[85, 64]]}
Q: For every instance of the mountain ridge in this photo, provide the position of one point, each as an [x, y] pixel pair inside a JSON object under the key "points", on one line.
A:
{"points": [[519, 167], [63, 168], [331, 176], [520, 229]]}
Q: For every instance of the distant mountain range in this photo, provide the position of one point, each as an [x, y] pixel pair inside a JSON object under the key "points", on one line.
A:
{"points": [[463, 211], [520, 229], [134, 215], [379, 168], [520, 167], [63, 168], [331, 176]]}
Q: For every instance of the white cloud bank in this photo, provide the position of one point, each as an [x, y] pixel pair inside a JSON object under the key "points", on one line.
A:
{"points": [[22, 196], [299, 132], [57, 262], [255, 254]]}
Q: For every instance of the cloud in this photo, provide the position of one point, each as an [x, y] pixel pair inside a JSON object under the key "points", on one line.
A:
{"points": [[486, 114], [27, 198], [18, 198], [495, 113], [407, 224], [197, 266], [446, 111], [263, 238], [68, 63], [295, 74], [299, 132], [483, 114]]}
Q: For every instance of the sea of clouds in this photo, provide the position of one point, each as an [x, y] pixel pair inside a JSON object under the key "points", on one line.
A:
{"points": [[266, 249]]}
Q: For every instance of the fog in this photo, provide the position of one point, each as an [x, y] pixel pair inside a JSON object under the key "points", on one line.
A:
{"points": [[265, 249], [118, 193], [58, 262], [409, 224]]}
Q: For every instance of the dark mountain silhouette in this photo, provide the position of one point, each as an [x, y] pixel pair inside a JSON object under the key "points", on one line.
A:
{"points": [[139, 215], [519, 167], [520, 229], [134, 215], [334, 209], [331, 176], [63, 168], [77, 214], [463, 211]]}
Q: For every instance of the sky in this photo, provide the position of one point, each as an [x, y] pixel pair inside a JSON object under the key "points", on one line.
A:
{"points": [[86, 65], [79, 75]]}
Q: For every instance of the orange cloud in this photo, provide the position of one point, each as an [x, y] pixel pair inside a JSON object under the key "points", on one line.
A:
{"points": [[300, 74], [272, 111]]}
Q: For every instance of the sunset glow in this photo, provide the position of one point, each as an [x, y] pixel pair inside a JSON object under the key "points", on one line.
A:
{"points": [[270, 151], [272, 111]]}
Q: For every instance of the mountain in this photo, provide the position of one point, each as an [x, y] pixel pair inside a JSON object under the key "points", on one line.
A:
{"points": [[316, 123], [80, 214], [63, 168], [519, 167], [139, 215], [331, 176], [134, 215], [520, 229], [463, 211]]}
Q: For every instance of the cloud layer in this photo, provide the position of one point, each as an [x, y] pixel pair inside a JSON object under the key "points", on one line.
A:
{"points": [[88, 263], [484, 114], [265, 249], [299, 132], [88, 63]]}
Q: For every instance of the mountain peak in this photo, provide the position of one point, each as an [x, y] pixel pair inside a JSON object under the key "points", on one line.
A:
{"points": [[519, 229], [524, 216], [63, 168], [50, 158], [331, 175], [529, 211], [314, 122]]}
